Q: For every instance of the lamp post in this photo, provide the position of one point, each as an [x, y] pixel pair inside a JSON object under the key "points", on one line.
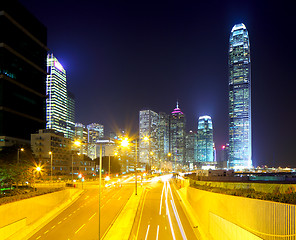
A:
{"points": [[100, 180], [18, 154], [50, 153]]}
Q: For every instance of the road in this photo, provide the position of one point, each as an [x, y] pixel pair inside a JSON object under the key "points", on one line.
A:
{"points": [[81, 219], [162, 216]]}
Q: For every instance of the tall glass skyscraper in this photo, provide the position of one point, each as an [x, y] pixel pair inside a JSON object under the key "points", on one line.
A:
{"points": [[177, 135], [56, 89], [205, 147], [148, 126], [240, 138]]}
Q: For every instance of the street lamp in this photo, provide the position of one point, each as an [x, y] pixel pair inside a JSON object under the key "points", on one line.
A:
{"points": [[50, 153], [18, 154]]}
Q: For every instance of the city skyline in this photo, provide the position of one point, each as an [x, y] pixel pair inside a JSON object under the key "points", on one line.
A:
{"points": [[180, 52]]}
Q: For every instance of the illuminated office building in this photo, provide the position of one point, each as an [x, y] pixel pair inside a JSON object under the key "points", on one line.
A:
{"points": [[71, 115], [163, 135], [148, 127], [56, 103], [205, 140], [191, 149], [23, 52], [240, 138], [95, 133], [177, 136]]}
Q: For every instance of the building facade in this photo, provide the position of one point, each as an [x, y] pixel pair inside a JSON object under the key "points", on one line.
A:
{"points": [[148, 127], [240, 136], [163, 136], [56, 89], [22, 74], [95, 132], [205, 140], [71, 115], [177, 136], [191, 150]]}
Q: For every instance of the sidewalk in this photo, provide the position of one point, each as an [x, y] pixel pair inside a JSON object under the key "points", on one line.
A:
{"points": [[122, 226]]}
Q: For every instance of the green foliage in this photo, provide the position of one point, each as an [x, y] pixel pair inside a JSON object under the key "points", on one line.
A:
{"points": [[288, 197], [19, 194]]}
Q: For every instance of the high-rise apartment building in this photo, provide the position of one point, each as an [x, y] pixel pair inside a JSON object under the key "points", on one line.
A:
{"points": [[240, 137], [81, 134], [56, 103], [23, 52], [177, 136], [163, 135], [205, 140], [148, 127]]}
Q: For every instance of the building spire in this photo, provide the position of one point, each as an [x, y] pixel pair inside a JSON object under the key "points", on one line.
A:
{"points": [[177, 104]]}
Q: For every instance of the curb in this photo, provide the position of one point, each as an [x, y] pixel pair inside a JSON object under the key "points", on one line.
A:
{"points": [[190, 213]]}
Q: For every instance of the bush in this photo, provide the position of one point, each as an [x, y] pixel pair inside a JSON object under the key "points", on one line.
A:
{"points": [[288, 197]]}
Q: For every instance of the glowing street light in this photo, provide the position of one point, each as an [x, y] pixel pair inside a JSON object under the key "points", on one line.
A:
{"points": [[18, 154], [125, 142]]}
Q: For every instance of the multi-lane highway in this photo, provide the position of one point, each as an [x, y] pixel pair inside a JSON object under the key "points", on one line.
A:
{"points": [[81, 219], [162, 216], [159, 216]]}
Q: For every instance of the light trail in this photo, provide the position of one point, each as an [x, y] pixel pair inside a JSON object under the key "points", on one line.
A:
{"points": [[177, 215], [164, 185], [169, 215]]}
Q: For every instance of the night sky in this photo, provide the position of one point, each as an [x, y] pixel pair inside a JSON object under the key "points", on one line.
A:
{"points": [[124, 56]]}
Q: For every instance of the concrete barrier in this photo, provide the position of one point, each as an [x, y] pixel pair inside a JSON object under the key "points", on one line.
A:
{"points": [[221, 216], [32, 210]]}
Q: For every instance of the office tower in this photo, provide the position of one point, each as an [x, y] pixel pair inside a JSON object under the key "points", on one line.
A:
{"points": [[56, 103], [70, 115], [191, 149], [81, 134], [240, 138], [95, 133], [205, 140], [177, 136], [23, 52], [163, 135], [148, 127]]}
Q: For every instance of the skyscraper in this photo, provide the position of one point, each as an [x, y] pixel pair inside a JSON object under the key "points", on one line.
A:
{"points": [[177, 135], [70, 115], [205, 146], [163, 135], [95, 133], [56, 89], [240, 138], [148, 127], [191, 149], [23, 52]]}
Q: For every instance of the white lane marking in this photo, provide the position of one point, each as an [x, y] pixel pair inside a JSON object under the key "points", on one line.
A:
{"points": [[38, 237], [53, 227], [157, 232], [70, 214], [161, 197], [46, 232], [59, 222], [119, 198], [65, 218], [147, 232], [108, 201], [86, 197], [80, 228], [92, 216]]}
